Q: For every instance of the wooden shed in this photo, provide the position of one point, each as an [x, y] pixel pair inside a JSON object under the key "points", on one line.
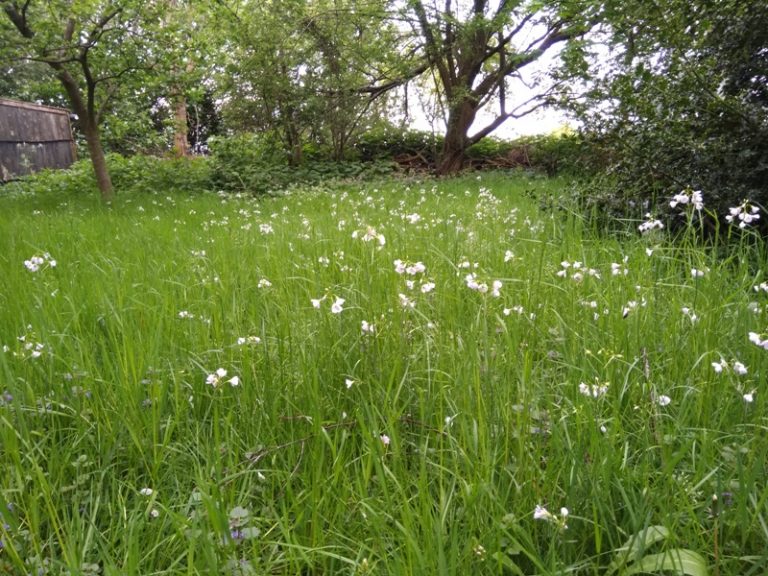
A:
{"points": [[33, 137]]}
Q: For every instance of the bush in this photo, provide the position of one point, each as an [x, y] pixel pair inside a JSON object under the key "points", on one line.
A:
{"points": [[140, 174], [550, 154], [153, 174], [392, 143], [686, 106], [251, 163]]}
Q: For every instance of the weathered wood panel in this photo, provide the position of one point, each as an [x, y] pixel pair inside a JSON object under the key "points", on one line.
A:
{"points": [[33, 137]]}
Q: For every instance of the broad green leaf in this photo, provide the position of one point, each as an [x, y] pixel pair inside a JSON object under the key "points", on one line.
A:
{"points": [[636, 544], [678, 561]]}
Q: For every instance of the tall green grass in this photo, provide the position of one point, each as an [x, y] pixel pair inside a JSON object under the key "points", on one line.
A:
{"points": [[422, 447]]}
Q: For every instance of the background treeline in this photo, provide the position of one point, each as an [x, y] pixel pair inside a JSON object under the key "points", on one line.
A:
{"points": [[664, 96]]}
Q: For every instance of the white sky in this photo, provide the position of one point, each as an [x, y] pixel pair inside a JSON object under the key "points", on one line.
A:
{"points": [[542, 121]]}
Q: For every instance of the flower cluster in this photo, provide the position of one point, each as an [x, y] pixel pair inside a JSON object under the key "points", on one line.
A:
{"points": [[37, 263], [482, 287], [577, 271], [29, 346], [370, 234], [688, 197], [594, 390], [336, 306], [758, 340], [406, 302], [216, 379], [414, 269], [745, 213], [561, 520], [723, 366], [692, 316], [650, 223], [408, 268], [620, 269], [239, 525]]}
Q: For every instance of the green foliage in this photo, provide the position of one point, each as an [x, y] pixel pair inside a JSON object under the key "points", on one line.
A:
{"points": [[134, 174], [298, 70], [386, 141], [255, 164], [152, 174], [683, 106], [549, 154], [633, 557]]}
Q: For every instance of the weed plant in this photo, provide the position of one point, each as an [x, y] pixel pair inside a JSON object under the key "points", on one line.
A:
{"points": [[415, 378]]}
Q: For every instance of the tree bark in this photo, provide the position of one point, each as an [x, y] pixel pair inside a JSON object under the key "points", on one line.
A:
{"points": [[98, 160], [90, 126], [460, 118], [180, 127]]}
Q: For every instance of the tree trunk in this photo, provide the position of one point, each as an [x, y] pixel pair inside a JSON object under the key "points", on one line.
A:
{"points": [[293, 140], [98, 160], [456, 142], [180, 127]]}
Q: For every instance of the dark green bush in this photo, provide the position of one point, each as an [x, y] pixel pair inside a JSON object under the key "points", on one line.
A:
{"points": [[251, 163], [551, 154], [390, 142], [685, 106]]}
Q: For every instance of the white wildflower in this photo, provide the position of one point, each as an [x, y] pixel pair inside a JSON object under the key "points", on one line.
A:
{"points": [[746, 213], [688, 197], [650, 223], [541, 513], [758, 340], [336, 307], [406, 302], [234, 381], [216, 377]]}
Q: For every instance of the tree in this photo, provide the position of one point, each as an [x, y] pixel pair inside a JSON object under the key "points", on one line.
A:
{"points": [[683, 101], [474, 50], [298, 70], [94, 48]]}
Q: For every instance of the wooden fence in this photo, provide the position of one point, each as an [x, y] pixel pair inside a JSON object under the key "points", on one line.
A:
{"points": [[33, 137]]}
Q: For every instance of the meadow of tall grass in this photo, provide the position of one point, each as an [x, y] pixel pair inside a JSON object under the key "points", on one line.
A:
{"points": [[410, 378]]}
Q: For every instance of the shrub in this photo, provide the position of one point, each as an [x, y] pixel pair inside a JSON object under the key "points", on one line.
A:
{"points": [[134, 174], [251, 163]]}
